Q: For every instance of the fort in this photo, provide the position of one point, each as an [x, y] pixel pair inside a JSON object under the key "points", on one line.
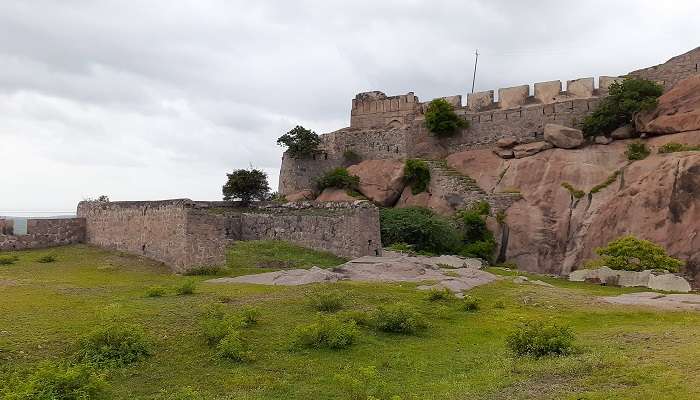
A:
{"points": [[187, 234]]}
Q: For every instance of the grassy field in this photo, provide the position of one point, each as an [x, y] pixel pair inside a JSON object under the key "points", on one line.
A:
{"points": [[622, 352]]}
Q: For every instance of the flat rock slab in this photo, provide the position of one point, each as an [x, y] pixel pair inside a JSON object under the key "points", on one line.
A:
{"points": [[394, 267], [652, 299]]}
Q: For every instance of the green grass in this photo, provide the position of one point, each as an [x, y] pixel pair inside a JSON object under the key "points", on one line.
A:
{"points": [[621, 352], [254, 257]]}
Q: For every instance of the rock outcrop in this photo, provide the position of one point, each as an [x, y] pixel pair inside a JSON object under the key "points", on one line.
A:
{"points": [[658, 281], [333, 194], [380, 180], [678, 110], [552, 231]]}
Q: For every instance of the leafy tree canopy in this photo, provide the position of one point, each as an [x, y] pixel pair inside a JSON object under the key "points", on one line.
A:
{"points": [[300, 142], [246, 185]]}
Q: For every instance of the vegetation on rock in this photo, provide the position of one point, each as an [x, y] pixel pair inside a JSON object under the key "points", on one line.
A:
{"points": [[441, 119], [478, 240], [632, 254], [351, 157], [625, 99], [416, 174], [420, 228], [300, 142], [637, 151], [612, 178], [338, 178], [246, 185], [676, 147], [576, 193]]}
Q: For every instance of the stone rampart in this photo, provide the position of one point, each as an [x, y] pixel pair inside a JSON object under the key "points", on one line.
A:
{"points": [[185, 234], [377, 110], [674, 70], [42, 233]]}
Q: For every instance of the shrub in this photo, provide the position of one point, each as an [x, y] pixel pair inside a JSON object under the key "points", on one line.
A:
{"points": [[637, 151], [114, 344], [632, 254], [402, 248], [233, 347], [155, 291], [249, 316], [479, 241], [338, 178], [439, 294], [538, 339], [470, 303], [300, 142], [327, 301], [576, 193], [215, 326], [416, 174], [8, 260], [612, 178], [52, 381], [246, 185], [327, 332], [624, 100], [420, 228], [676, 147], [351, 157], [186, 288], [205, 271], [441, 119], [398, 318], [46, 259]]}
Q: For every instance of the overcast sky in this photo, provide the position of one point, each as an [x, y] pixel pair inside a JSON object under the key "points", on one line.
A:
{"points": [[145, 100]]}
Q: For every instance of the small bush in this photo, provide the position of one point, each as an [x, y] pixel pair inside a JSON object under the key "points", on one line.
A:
{"points": [[612, 178], [576, 193], [538, 339], [215, 324], [351, 157], [338, 178], [398, 318], [676, 147], [624, 100], [51, 381], [46, 259], [420, 228], [481, 249], [439, 295], [470, 303], [206, 271], [156, 291], [479, 241], [327, 332], [327, 301], [186, 288], [8, 260], [441, 119], [249, 316], [632, 254], [114, 344], [416, 174], [637, 151], [233, 347]]}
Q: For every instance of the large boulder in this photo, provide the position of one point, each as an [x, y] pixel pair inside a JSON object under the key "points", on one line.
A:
{"points": [[664, 282], [530, 149], [678, 110], [306, 194], [380, 180], [563, 137], [623, 132], [333, 194]]}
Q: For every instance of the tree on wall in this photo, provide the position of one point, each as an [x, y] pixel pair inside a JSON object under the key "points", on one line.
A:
{"points": [[441, 119], [300, 142], [246, 185]]}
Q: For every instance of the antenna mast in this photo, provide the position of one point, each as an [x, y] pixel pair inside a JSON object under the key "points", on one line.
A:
{"points": [[476, 61]]}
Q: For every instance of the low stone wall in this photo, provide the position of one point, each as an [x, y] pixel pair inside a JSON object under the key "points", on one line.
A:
{"points": [[186, 234], [42, 233]]}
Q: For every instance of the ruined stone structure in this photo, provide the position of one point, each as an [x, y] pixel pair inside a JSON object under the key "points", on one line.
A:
{"points": [[186, 234], [42, 233]]}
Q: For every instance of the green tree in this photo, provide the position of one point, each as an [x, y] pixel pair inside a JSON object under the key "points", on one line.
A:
{"points": [[300, 142], [246, 185], [441, 120], [416, 174], [338, 178], [625, 99], [632, 254]]}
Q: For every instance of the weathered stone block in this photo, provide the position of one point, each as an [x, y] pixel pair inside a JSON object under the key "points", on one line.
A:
{"points": [[604, 82], [582, 87], [514, 96], [547, 92], [480, 100]]}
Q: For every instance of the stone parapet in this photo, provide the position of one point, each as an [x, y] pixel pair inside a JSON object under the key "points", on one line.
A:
{"points": [[42, 233]]}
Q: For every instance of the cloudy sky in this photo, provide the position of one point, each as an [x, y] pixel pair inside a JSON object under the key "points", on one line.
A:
{"points": [[159, 99]]}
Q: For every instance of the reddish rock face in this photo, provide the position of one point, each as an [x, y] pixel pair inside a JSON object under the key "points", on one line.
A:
{"points": [[332, 194], [380, 180], [300, 196], [678, 110], [551, 231]]}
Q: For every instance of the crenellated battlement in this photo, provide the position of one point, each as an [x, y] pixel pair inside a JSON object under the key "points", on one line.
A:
{"points": [[375, 109], [549, 92]]}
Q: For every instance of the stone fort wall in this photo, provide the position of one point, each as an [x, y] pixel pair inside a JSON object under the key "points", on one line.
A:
{"points": [[42, 233], [674, 70], [186, 234]]}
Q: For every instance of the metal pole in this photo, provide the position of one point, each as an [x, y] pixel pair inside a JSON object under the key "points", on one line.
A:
{"points": [[476, 61]]}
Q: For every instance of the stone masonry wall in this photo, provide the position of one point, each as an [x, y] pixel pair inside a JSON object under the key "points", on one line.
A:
{"points": [[674, 70], [42, 233], [186, 234]]}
